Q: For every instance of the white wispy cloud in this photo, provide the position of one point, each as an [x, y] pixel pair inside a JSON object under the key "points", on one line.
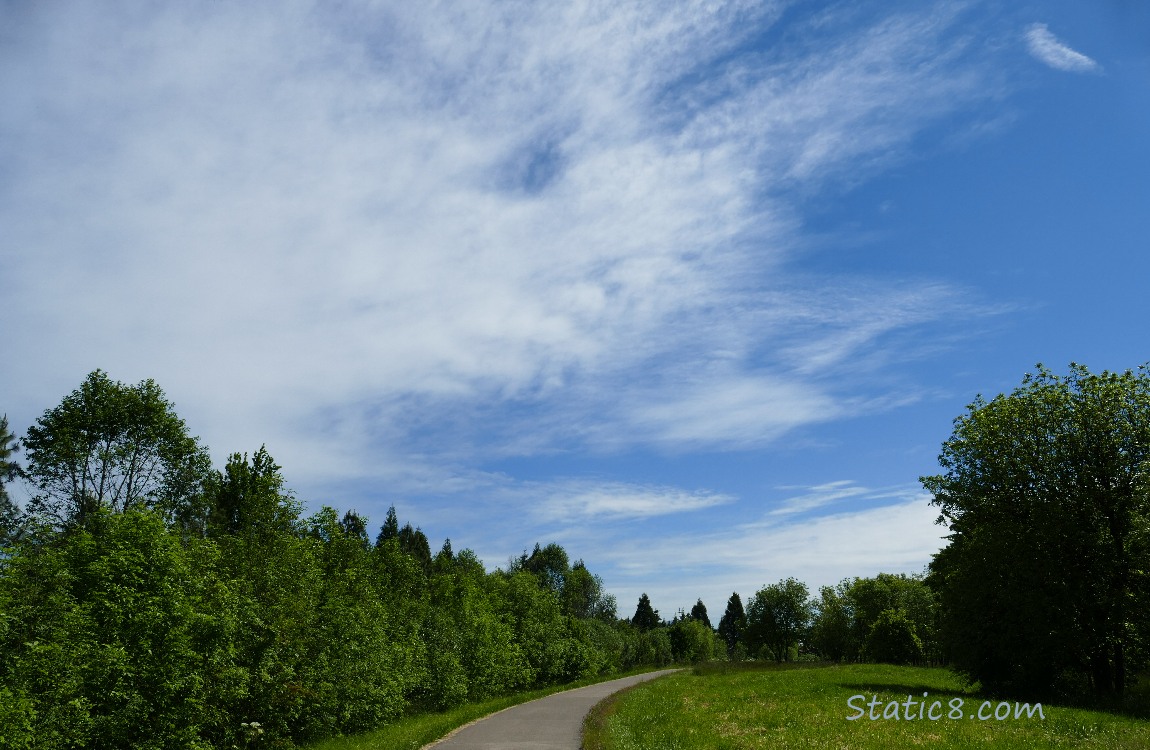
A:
{"points": [[1048, 49], [892, 537], [395, 240], [819, 496], [582, 500]]}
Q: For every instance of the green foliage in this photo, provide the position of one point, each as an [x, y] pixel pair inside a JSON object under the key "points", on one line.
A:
{"points": [[892, 639], [11, 519], [101, 636], [699, 612], [110, 445], [580, 591], [1056, 472], [691, 641], [160, 604], [733, 623], [846, 615], [414, 542], [777, 619], [646, 617], [390, 528], [833, 628], [248, 498], [550, 564]]}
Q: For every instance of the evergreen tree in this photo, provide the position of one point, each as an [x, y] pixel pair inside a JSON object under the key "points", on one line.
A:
{"points": [[699, 612], [390, 528], [10, 516], [444, 561], [733, 623], [354, 526], [646, 618], [414, 542]]}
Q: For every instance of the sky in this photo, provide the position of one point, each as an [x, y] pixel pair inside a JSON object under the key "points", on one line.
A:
{"points": [[693, 289]]}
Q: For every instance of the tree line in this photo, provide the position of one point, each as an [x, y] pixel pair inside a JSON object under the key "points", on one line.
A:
{"points": [[148, 600], [1043, 589], [891, 618]]}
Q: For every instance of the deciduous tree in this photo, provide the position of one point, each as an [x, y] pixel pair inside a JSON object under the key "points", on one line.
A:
{"points": [[1046, 494], [116, 446], [778, 617]]}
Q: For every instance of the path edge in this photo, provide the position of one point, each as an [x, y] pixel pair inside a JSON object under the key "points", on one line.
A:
{"points": [[658, 673]]}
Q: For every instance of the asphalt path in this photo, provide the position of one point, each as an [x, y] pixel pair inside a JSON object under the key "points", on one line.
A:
{"points": [[551, 723]]}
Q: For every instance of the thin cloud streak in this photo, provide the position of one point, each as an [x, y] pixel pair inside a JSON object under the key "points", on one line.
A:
{"points": [[896, 537], [324, 213], [582, 500], [399, 242], [1048, 49]]}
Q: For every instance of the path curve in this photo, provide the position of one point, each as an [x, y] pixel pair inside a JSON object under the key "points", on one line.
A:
{"points": [[551, 723]]}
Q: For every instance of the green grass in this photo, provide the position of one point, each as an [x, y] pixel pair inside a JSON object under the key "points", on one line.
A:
{"points": [[414, 731], [730, 708]]}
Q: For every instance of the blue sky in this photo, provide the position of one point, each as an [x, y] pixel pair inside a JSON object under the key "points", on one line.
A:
{"points": [[693, 289]]}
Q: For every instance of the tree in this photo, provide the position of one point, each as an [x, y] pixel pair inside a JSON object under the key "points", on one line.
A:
{"points": [[104, 634], [248, 497], [355, 527], [111, 445], [390, 528], [414, 542], [699, 612], [1056, 472], [832, 633], [550, 564], [868, 598], [691, 641], [646, 618], [892, 639], [777, 618], [10, 516], [733, 623], [583, 595]]}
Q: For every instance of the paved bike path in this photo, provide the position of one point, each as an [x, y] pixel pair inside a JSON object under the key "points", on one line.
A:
{"points": [[551, 723]]}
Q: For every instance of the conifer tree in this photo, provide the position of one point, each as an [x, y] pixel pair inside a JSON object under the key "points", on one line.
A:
{"points": [[699, 612], [646, 618], [733, 623], [355, 526], [9, 513], [390, 528]]}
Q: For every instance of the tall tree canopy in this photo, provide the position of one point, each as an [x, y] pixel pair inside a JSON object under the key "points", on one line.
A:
{"points": [[646, 617], [1046, 492], [778, 617], [733, 623], [9, 513], [248, 497], [116, 446], [699, 612]]}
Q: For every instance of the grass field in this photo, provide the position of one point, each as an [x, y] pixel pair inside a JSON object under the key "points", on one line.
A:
{"points": [[415, 731], [729, 708]]}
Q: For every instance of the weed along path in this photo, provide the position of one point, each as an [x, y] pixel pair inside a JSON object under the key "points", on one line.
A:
{"points": [[551, 723]]}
